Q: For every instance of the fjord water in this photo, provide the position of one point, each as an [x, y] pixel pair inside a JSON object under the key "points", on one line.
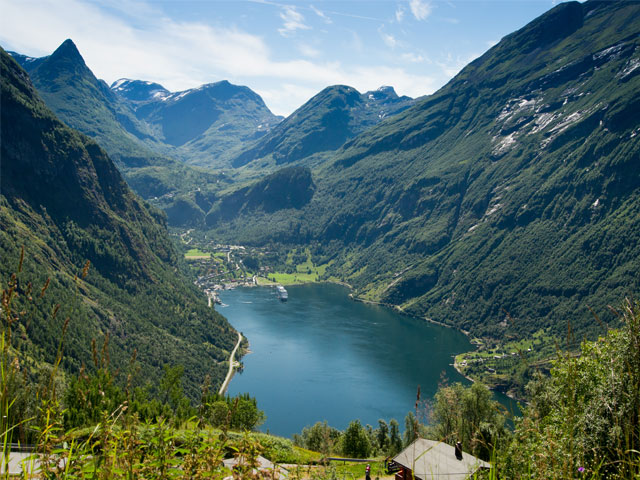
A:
{"points": [[321, 356]]}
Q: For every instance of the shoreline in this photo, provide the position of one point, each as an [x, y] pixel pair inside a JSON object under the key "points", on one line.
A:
{"points": [[457, 368], [396, 308]]}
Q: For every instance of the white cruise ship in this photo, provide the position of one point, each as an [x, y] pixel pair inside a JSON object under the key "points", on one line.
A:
{"points": [[282, 293]]}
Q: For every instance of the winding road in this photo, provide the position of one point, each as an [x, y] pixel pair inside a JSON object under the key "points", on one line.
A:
{"points": [[232, 364]]}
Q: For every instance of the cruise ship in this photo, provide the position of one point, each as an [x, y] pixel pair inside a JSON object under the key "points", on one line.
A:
{"points": [[282, 293]]}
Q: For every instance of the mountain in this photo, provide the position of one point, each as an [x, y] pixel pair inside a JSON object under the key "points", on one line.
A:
{"points": [[85, 103], [205, 124], [138, 91], [79, 99], [324, 123], [504, 204], [65, 202], [289, 187]]}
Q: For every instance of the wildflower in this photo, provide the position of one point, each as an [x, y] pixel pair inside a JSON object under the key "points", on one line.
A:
{"points": [[581, 469]]}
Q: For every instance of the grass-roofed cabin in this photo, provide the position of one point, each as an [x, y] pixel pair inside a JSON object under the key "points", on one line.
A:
{"points": [[430, 460]]}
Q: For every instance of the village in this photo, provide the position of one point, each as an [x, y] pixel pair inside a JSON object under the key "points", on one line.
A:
{"points": [[224, 267]]}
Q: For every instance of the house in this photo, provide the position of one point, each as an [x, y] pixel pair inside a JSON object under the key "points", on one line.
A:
{"points": [[431, 460]]}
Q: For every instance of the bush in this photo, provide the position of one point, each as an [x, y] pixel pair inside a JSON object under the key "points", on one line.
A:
{"points": [[585, 417]]}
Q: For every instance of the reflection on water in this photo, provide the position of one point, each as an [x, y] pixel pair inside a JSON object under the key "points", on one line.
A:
{"points": [[321, 356]]}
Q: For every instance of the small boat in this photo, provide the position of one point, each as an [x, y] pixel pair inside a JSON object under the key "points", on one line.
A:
{"points": [[282, 293]]}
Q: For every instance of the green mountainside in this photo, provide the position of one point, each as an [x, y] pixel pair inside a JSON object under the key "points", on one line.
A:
{"points": [[505, 203], [87, 104], [79, 99], [287, 188], [205, 124], [64, 201], [323, 124]]}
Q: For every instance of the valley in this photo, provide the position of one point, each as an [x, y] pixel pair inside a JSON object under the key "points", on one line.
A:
{"points": [[447, 207], [484, 236]]}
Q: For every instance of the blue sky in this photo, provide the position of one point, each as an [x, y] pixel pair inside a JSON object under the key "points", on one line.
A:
{"points": [[287, 51]]}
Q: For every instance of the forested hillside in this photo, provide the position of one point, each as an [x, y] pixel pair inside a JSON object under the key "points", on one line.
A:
{"points": [[83, 102], [94, 254], [507, 202]]}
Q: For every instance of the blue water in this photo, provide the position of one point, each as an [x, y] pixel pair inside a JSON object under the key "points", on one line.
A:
{"points": [[321, 356]]}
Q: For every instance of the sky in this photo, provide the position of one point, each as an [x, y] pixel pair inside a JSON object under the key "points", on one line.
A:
{"points": [[286, 51]]}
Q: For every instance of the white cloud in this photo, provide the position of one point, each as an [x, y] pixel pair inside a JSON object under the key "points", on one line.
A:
{"points": [[286, 93], [356, 43], [389, 40], [420, 9], [412, 57], [371, 78], [450, 66], [400, 14], [321, 14], [308, 50], [293, 20]]}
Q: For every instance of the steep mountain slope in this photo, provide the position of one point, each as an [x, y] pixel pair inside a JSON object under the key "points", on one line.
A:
{"points": [[82, 101], [289, 187], [63, 199], [206, 124], [509, 200], [85, 103], [324, 123]]}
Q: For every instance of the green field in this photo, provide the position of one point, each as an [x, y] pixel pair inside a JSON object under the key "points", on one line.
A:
{"points": [[196, 254], [305, 272]]}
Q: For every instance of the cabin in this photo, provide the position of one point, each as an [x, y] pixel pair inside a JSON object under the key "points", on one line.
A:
{"points": [[431, 460]]}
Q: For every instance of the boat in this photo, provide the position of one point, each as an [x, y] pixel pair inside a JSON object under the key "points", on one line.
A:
{"points": [[282, 293]]}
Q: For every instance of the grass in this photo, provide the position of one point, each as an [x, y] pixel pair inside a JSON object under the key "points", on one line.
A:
{"points": [[305, 272], [293, 278], [357, 469], [196, 254]]}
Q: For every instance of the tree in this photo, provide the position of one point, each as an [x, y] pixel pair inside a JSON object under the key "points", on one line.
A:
{"points": [[382, 435], [252, 263], [355, 441], [320, 438], [89, 397], [173, 394], [468, 415], [245, 414], [218, 413], [395, 442], [410, 429]]}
